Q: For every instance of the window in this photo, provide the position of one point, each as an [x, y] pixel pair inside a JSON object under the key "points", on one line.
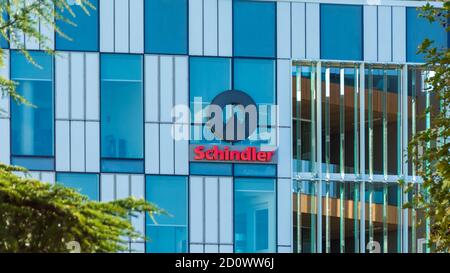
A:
{"points": [[169, 233], [166, 26], [255, 170], [254, 29], [122, 121], [85, 34], [211, 76], [86, 184], [257, 79], [224, 169], [341, 32], [32, 127], [417, 29], [254, 215], [207, 78]]}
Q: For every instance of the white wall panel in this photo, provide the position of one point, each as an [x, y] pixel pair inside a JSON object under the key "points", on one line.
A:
{"points": [[284, 30], [399, 34], [106, 26], [92, 86], [226, 210], [122, 186], [137, 190], [194, 248], [62, 87], [225, 27], [284, 211], [166, 149], [137, 247], [211, 248], [195, 210], [5, 141], [92, 146], [151, 88], [312, 31], [77, 144], [77, 85], [32, 43], [181, 81], [107, 187], [152, 148], [370, 33], [284, 152], [62, 145], [384, 34], [211, 210], [298, 31], [284, 92], [167, 88], [210, 23], [4, 72], [182, 155], [284, 249], [136, 26], [47, 31], [48, 177], [226, 248], [121, 26], [195, 27]]}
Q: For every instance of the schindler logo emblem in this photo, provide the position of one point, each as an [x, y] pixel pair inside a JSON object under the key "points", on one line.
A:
{"points": [[234, 120]]}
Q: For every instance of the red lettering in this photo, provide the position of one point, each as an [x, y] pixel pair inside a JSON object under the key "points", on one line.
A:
{"points": [[218, 154], [199, 153]]}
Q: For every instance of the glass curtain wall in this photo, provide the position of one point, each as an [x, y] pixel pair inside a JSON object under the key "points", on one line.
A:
{"points": [[357, 208]]}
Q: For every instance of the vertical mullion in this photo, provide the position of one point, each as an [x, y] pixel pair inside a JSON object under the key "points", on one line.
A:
{"points": [[319, 157], [385, 131], [385, 224], [342, 122], [342, 216]]}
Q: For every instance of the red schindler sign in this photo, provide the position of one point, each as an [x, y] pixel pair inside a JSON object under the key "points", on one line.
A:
{"points": [[225, 154]]}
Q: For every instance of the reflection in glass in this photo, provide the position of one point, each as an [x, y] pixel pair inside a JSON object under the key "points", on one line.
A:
{"points": [[121, 107], [305, 216], [382, 112], [340, 119], [304, 117], [169, 233], [85, 183], [32, 127], [254, 215]]}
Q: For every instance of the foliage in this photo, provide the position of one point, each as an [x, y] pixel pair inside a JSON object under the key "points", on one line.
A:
{"points": [[430, 149], [40, 217], [19, 18]]}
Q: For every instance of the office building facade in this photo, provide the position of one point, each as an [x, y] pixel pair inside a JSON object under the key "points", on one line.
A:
{"points": [[336, 84]]}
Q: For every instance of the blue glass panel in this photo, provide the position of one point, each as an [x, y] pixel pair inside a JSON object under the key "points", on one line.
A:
{"points": [[256, 78], [169, 233], [166, 26], [417, 29], [210, 169], [254, 29], [34, 163], [121, 107], [85, 34], [86, 184], [123, 165], [207, 78], [255, 170], [341, 35], [255, 215], [32, 127]]}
